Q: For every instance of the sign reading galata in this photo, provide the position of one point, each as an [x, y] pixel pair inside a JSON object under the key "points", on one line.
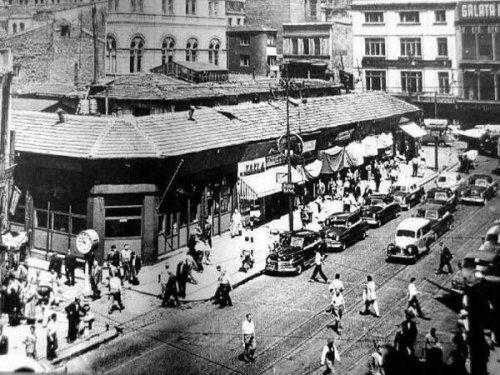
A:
{"points": [[479, 10]]}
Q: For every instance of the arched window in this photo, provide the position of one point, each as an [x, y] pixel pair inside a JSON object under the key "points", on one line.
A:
{"points": [[213, 51], [136, 50], [167, 50], [191, 49], [14, 28], [21, 26], [110, 54]]}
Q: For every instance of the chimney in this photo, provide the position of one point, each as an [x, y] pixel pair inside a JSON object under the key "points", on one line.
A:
{"points": [[60, 112], [191, 113]]}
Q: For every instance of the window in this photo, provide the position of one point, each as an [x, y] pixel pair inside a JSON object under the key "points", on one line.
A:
{"points": [[190, 7], [123, 216], [409, 17], [14, 28], [213, 51], [167, 50], [440, 16], [295, 46], [317, 46], [374, 17], [485, 42], [191, 49], [245, 60], [442, 46], [313, 11], [411, 82], [238, 21], [411, 47], [21, 26], [136, 50], [213, 7], [244, 40], [229, 21], [110, 54], [306, 46], [375, 80], [468, 44], [375, 47], [271, 40], [444, 82], [167, 6]]}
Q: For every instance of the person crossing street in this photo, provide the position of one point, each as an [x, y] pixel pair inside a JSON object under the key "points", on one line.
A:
{"points": [[329, 356], [370, 297], [318, 263], [413, 299], [248, 331], [445, 257]]}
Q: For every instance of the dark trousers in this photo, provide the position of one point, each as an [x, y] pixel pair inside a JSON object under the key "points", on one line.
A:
{"points": [[72, 329], [170, 292], [415, 170], [116, 297], [70, 275], [318, 270], [444, 262], [181, 282], [416, 305], [51, 348], [95, 289], [222, 295]]}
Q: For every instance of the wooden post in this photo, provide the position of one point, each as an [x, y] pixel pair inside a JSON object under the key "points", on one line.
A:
{"points": [[70, 226], [149, 230], [47, 240]]}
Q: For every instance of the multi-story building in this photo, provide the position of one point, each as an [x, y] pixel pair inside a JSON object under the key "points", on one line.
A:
{"points": [[235, 12], [145, 34], [251, 50], [405, 47], [478, 43]]}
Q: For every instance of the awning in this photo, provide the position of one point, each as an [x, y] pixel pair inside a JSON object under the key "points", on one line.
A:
{"points": [[312, 170], [385, 140], [266, 183], [337, 158], [356, 153], [370, 146], [413, 130]]}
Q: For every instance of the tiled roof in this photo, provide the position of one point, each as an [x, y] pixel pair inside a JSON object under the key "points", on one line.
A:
{"points": [[201, 67], [46, 89], [173, 134], [249, 28]]}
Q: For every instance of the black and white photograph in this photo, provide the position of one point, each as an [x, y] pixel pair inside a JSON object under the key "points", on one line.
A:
{"points": [[250, 187]]}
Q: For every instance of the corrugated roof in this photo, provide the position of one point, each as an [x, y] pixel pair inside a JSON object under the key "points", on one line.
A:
{"points": [[173, 134]]}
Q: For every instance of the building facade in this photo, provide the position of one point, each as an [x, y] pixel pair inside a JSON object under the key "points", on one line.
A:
{"points": [[235, 12], [252, 50], [405, 47], [142, 34]]}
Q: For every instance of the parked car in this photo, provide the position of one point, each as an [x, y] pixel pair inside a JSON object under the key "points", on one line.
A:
{"points": [[294, 253], [450, 180], [479, 188], [344, 229], [407, 194], [491, 241], [440, 217], [444, 139], [442, 196], [379, 209], [11, 363], [412, 240], [474, 266]]}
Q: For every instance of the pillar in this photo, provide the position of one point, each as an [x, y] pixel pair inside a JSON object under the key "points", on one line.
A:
{"points": [[96, 221], [149, 230], [478, 76], [496, 84]]}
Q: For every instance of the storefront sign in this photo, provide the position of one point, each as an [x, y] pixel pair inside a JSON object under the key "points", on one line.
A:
{"points": [[14, 199], [274, 160], [344, 136], [246, 168], [288, 188], [309, 146], [485, 10]]}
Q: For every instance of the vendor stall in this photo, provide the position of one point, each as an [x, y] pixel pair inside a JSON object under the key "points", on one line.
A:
{"points": [[338, 158]]}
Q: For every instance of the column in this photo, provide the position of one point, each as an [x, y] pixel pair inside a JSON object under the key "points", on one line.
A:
{"points": [[496, 83], [494, 41], [478, 77], [96, 221], [149, 230]]}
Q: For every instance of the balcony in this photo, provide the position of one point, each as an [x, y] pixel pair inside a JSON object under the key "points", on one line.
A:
{"points": [[404, 63]]}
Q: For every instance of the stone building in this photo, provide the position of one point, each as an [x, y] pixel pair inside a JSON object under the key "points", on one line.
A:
{"points": [[235, 12], [142, 35]]}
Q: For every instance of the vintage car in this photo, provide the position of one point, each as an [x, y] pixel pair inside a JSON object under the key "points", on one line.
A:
{"points": [[444, 139], [12, 363], [440, 217], [474, 267], [407, 194], [479, 188], [294, 252], [491, 242], [379, 209], [412, 240], [443, 196], [450, 180], [343, 229]]}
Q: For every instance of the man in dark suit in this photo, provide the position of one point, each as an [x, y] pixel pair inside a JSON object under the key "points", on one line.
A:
{"points": [[73, 315], [70, 266], [183, 270], [55, 264]]}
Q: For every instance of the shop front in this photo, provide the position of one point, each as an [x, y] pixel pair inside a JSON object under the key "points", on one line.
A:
{"points": [[409, 139]]}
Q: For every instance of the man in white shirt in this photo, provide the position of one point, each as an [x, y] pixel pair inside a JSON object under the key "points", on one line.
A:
{"points": [[329, 356], [318, 262], [370, 297], [125, 258], [336, 284], [248, 331], [337, 305], [412, 298]]}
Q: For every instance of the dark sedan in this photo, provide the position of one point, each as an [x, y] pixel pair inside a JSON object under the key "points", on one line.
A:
{"points": [[344, 229], [379, 209], [295, 252], [479, 188], [442, 196]]}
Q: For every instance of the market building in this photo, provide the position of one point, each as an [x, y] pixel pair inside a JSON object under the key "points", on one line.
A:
{"points": [[405, 47], [173, 171]]}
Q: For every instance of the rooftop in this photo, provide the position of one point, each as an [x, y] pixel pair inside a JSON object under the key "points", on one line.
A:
{"points": [[249, 28], [174, 134]]}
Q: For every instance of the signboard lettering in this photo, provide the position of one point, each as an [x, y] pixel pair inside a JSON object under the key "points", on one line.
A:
{"points": [[288, 188], [309, 146], [345, 135], [479, 10], [273, 160], [249, 167]]}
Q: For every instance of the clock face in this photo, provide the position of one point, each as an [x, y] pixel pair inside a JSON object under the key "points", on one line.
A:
{"points": [[83, 243]]}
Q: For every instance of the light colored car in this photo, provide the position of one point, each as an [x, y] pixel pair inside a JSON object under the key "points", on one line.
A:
{"points": [[412, 240], [450, 180], [407, 193], [491, 241], [11, 363]]}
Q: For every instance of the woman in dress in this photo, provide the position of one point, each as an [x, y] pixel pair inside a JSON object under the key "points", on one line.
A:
{"points": [[30, 298]]}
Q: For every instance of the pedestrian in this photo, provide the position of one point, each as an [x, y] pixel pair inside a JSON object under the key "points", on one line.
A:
{"points": [[414, 163], [337, 306], [69, 267], [445, 257], [375, 363], [30, 343], [125, 259], [225, 288], [86, 321], [207, 231], [329, 356], [115, 292], [55, 264], [73, 311], [321, 188], [370, 297], [96, 279], [248, 331], [52, 337], [409, 335], [433, 352], [168, 282], [377, 176], [183, 270], [113, 260], [413, 299], [4, 342], [30, 299], [135, 268], [318, 263], [336, 284]]}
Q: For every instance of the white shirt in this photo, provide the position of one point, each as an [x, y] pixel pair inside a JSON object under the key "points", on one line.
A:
{"points": [[412, 290], [326, 349], [337, 300], [336, 284], [318, 259], [370, 291], [248, 328]]}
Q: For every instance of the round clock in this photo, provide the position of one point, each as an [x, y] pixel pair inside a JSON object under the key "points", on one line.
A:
{"points": [[86, 240]]}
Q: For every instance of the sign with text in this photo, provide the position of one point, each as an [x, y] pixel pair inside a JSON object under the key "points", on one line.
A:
{"points": [[309, 146], [288, 188], [479, 10], [249, 167], [273, 160]]}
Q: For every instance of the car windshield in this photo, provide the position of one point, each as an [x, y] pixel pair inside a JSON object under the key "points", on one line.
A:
{"points": [[431, 214], [477, 263], [440, 196], [293, 241], [493, 238], [339, 222], [442, 179], [481, 182], [377, 202], [401, 188], [405, 233]]}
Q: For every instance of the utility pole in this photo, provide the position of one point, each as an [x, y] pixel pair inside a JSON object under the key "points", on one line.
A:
{"points": [[96, 43], [436, 136], [288, 151]]}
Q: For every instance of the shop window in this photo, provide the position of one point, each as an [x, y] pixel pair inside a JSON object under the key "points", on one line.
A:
{"points": [[411, 82], [123, 216], [375, 80], [468, 45], [485, 47], [374, 47], [60, 222], [127, 227], [78, 224], [444, 82], [225, 201]]}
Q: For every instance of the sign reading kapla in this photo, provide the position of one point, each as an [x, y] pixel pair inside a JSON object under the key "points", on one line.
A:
{"points": [[479, 10]]}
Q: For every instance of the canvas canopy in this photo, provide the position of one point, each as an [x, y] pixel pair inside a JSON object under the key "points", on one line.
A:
{"points": [[337, 158], [413, 130]]}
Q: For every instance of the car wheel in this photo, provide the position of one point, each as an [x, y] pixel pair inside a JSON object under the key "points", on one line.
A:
{"points": [[299, 269], [379, 223]]}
